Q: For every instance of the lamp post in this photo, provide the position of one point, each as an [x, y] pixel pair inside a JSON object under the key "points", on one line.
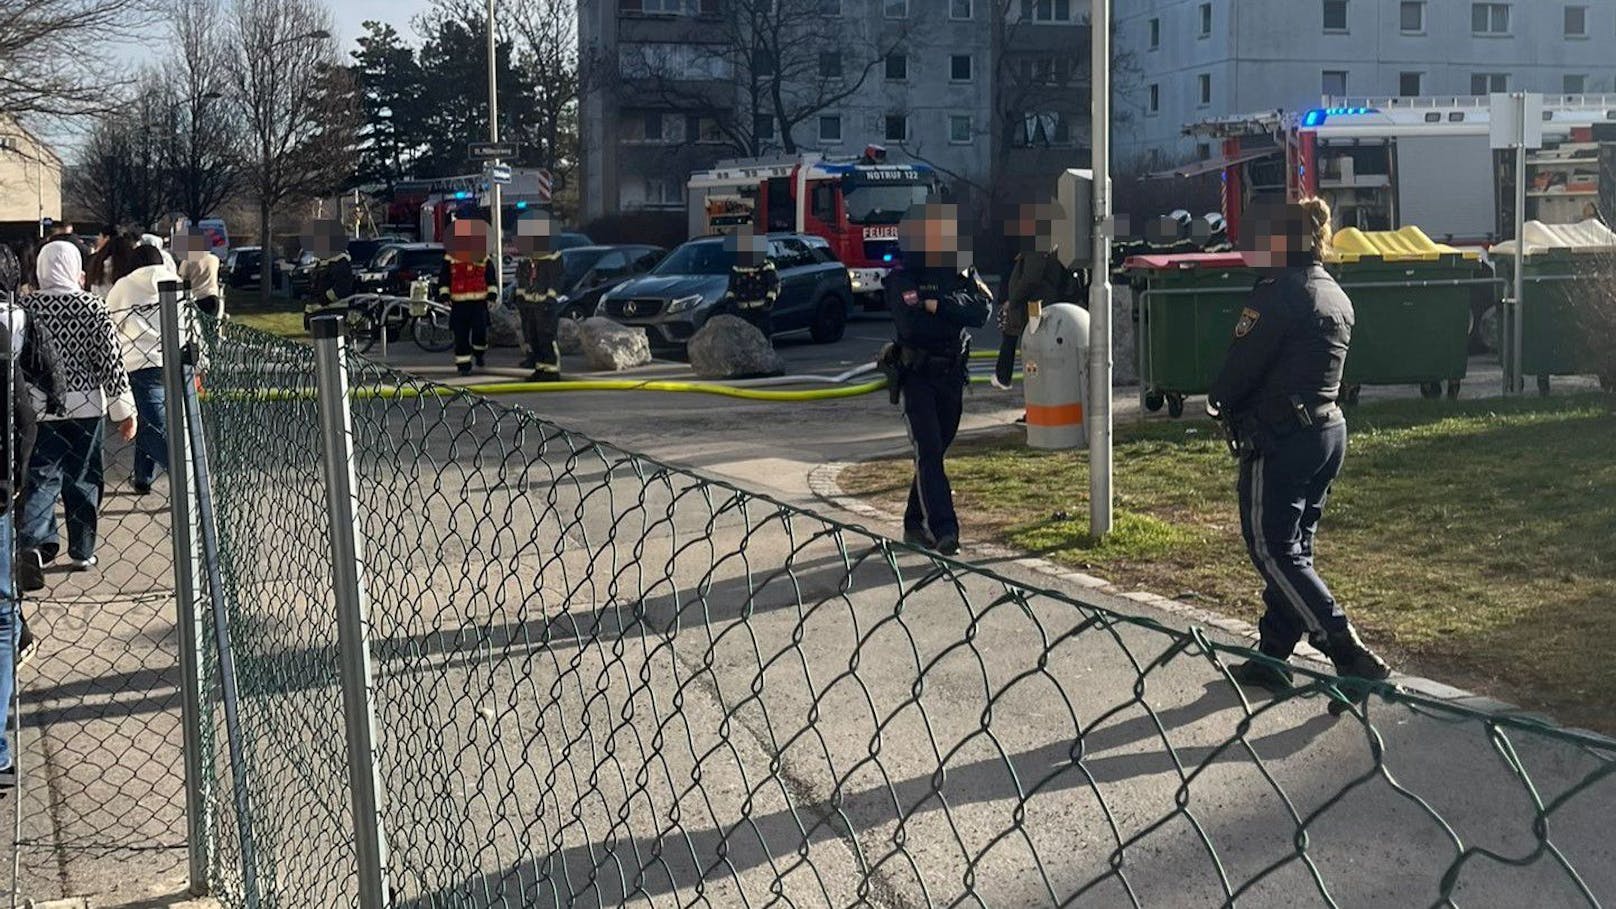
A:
{"points": [[496, 198], [1099, 417]]}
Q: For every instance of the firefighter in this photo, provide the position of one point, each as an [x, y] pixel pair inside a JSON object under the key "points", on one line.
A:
{"points": [[934, 298], [754, 283], [468, 285], [333, 280], [1277, 396], [539, 296], [1037, 277]]}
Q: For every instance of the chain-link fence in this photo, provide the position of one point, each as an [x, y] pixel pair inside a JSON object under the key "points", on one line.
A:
{"points": [[598, 679]]}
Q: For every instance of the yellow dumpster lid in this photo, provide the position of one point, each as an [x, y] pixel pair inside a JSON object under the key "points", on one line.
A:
{"points": [[1589, 236], [1410, 244]]}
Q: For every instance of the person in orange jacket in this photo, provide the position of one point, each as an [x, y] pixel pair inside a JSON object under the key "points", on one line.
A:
{"points": [[467, 283]]}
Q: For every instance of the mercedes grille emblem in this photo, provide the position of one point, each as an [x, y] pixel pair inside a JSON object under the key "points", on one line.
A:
{"points": [[631, 308]]}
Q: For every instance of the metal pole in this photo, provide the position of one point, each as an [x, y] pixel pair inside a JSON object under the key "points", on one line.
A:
{"points": [[1515, 376], [348, 582], [1099, 415], [183, 518], [495, 195]]}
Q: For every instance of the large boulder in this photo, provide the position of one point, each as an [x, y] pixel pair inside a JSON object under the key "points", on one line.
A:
{"points": [[504, 326], [610, 347], [570, 337], [728, 347]]}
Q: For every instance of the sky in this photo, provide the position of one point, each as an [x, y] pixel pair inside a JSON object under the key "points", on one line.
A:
{"points": [[350, 15]]}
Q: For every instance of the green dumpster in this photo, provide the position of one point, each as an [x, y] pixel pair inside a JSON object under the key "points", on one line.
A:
{"points": [[1411, 298], [1567, 267], [1186, 307]]}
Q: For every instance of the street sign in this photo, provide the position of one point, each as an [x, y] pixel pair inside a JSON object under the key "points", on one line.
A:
{"points": [[1505, 115], [490, 151], [498, 173]]}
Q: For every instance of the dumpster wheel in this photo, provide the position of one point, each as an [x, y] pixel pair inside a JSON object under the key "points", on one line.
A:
{"points": [[1175, 406], [1543, 386], [1453, 389], [1430, 391], [1154, 401]]}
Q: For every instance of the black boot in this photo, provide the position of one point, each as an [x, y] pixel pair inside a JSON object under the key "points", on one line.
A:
{"points": [[1352, 659], [1272, 674]]}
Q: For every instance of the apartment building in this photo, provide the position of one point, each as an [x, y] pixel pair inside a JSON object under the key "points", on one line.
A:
{"points": [[993, 93], [30, 181], [1194, 59]]}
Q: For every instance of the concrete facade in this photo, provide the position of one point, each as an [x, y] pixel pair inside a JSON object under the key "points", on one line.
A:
{"points": [[981, 94], [1209, 58], [30, 180]]}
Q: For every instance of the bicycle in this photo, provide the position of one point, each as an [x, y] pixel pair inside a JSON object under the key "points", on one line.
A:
{"points": [[373, 318]]}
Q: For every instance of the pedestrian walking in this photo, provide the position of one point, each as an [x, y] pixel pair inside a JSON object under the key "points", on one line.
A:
{"points": [[111, 260], [935, 297], [539, 279], [754, 281], [1036, 278], [66, 463], [135, 305], [467, 284], [1277, 395], [199, 267]]}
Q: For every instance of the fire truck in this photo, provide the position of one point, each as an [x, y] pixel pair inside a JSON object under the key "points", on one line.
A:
{"points": [[1385, 163], [428, 207], [854, 204]]}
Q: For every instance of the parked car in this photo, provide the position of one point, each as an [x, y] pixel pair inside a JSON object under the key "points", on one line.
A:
{"points": [[589, 271], [679, 295], [242, 265], [396, 267], [363, 249], [302, 273]]}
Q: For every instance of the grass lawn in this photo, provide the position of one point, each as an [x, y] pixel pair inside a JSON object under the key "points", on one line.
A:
{"points": [[288, 323], [1474, 542]]}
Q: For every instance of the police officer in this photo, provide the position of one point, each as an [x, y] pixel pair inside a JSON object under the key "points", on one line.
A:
{"points": [[754, 283], [468, 285], [1277, 396], [934, 298], [539, 296], [333, 280]]}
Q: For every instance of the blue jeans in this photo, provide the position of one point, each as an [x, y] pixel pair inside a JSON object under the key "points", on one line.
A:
{"points": [[151, 439], [66, 465], [8, 636]]}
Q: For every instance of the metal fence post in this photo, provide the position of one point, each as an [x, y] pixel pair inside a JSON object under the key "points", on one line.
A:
{"points": [[188, 618], [348, 582]]}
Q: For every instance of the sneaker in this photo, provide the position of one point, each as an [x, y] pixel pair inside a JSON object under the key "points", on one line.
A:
{"points": [[27, 645], [1262, 674], [1000, 384], [140, 489], [30, 570], [83, 564], [917, 538], [948, 545]]}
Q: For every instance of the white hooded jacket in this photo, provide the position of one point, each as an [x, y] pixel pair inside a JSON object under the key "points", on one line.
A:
{"points": [[133, 304]]}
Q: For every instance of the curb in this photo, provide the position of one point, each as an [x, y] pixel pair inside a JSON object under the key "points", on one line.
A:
{"points": [[824, 482]]}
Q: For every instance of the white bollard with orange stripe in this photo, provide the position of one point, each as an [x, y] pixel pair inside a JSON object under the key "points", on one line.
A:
{"points": [[1054, 357]]}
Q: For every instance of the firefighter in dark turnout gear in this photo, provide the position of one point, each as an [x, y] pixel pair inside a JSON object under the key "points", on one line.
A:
{"points": [[333, 280], [539, 296], [1037, 277], [467, 283], [754, 282], [934, 298], [1277, 397]]}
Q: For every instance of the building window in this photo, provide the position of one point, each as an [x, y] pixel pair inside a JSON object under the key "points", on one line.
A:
{"points": [[1155, 99], [1155, 34], [1576, 22], [1489, 18], [670, 7], [1335, 83], [1205, 82], [830, 128], [896, 128], [959, 129], [897, 68], [1043, 129], [1489, 83], [662, 191], [1412, 13], [1044, 71], [1573, 84], [896, 9], [830, 65], [1047, 10], [830, 7], [959, 67], [1203, 151], [706, 130], [1335, 15], [1409, 85], [960, 9], [1206, 20], [763, 126]]}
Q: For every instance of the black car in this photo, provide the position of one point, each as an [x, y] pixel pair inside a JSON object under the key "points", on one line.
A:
{"points": [[679, 295], [590, 271], [364, 249], [396, 267], [241, 266]]}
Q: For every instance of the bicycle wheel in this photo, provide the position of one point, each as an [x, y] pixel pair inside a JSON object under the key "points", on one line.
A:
{"points": [[363, 332], [431, 331]]}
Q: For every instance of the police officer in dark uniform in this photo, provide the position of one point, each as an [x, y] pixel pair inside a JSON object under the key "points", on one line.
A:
{"points": [[935, 297], [333, 280], [1277, 396], [754, 283]]}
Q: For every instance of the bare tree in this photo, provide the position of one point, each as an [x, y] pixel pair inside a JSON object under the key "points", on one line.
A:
{"points": [[127, 163], [546, 51], [51, 59], [206, 153], [297, 105], [758, 73]]}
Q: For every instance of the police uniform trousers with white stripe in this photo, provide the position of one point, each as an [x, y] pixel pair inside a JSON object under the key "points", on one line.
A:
{"points": [[933, 399], [469, 322], [1282, 494]]}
